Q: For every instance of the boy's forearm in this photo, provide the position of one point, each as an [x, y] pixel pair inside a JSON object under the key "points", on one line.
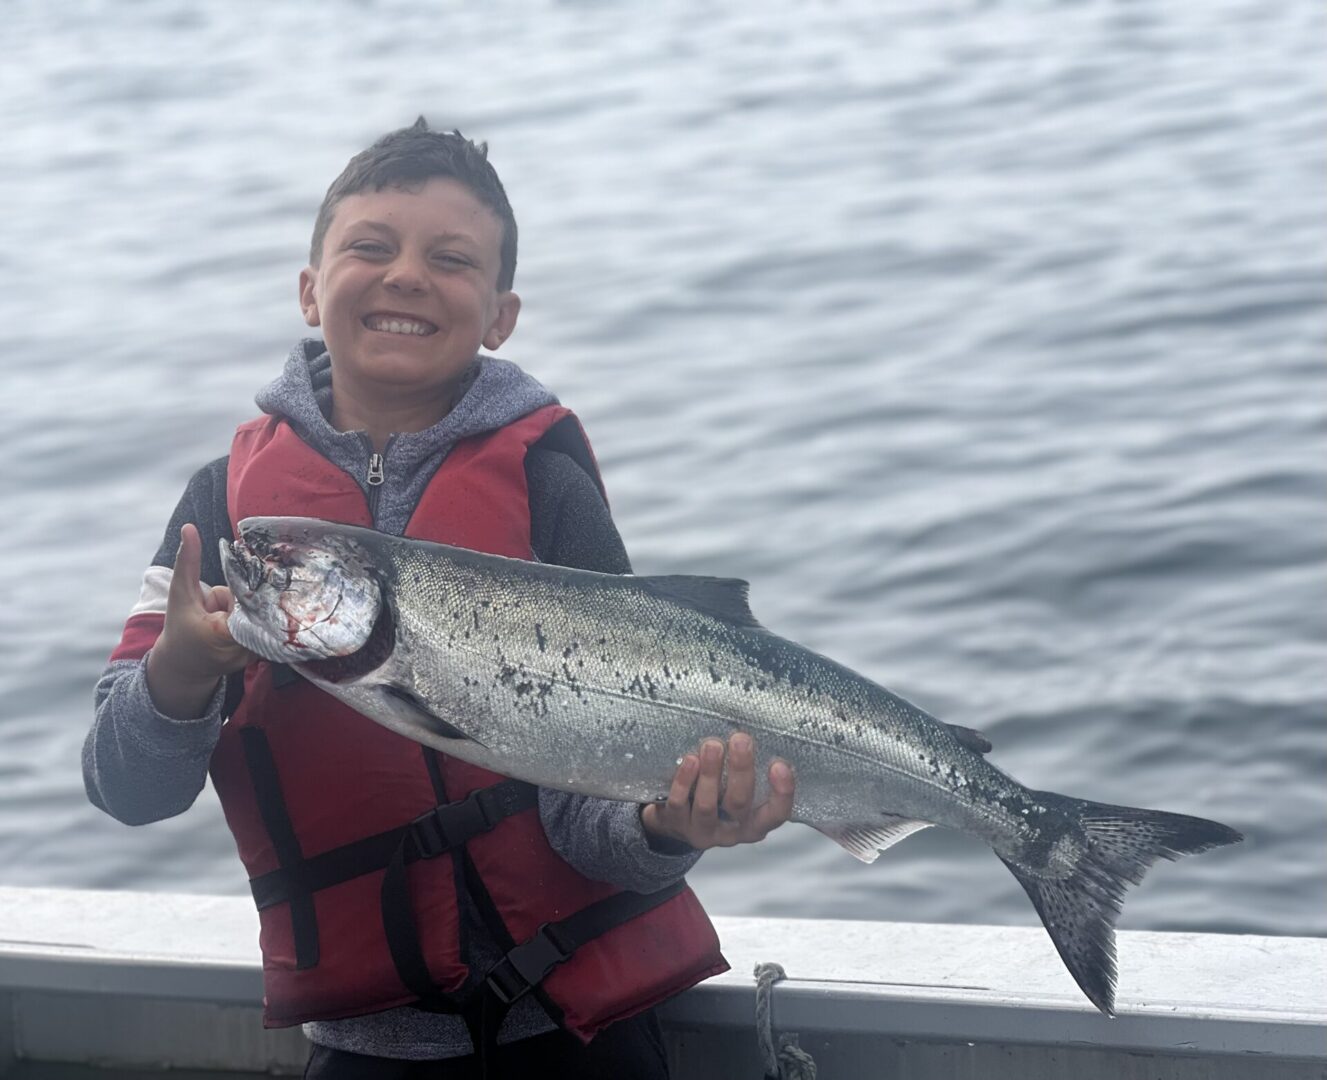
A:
{"points": [[140, 765], [605, 841], [147, 754]]}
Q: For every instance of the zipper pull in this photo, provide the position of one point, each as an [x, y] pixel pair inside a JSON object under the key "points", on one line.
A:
{"points": [[376, 474]]}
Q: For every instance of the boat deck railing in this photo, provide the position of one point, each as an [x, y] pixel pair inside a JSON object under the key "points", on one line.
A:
{"points": [[125, 983]]}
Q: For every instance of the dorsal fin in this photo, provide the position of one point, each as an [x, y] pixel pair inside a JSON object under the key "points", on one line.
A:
{"points": [[723, 598], [971, 738]]}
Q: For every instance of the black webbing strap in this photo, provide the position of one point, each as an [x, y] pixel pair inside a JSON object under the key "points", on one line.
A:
{"points": [[442, 829], [431, 834], [527, 965], [276, 818]]}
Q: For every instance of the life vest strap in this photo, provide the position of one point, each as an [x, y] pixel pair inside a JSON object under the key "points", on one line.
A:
{"points": [[435, 832], [527, 965], [452, 824], [276, 818]]}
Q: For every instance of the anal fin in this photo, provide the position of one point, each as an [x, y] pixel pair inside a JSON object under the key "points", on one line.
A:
{"points": [[865, 840]]}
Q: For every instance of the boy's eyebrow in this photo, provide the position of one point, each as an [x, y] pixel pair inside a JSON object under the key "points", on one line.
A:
{"points": [[383, 227]]}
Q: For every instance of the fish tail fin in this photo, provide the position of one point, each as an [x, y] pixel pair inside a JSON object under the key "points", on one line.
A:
{"points": [[1116, 846]]}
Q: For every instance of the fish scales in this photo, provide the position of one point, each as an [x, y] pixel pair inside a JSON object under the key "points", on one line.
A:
{"points": [[599, 684], [528, 641]]}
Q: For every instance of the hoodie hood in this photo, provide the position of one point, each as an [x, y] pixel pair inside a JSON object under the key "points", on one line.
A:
{"points": [[498, 393]]}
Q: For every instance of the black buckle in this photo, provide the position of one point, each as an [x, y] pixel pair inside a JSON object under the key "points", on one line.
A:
{"points": [[449, 826], [526, 966]]}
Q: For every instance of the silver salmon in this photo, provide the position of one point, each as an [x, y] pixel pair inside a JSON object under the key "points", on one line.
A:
{"points": [[599, 683]]}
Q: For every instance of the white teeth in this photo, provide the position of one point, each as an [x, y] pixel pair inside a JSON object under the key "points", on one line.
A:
{"points": [[398, 326]]}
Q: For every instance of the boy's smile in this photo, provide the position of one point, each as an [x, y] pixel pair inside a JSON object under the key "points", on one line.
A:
{"points": [[406, 294]]}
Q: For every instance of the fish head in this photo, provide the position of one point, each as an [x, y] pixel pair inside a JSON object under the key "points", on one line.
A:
{"points": [[305, 590]]}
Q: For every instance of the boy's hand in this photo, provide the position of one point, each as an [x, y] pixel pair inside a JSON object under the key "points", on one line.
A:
{"points": [[195, 648], [691, 812]]}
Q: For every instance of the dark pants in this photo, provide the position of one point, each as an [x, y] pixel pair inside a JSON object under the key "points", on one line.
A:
{"points": [[628, 1050]]}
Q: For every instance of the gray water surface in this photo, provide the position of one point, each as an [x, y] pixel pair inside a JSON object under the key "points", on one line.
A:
{"points": [[985, 340]]}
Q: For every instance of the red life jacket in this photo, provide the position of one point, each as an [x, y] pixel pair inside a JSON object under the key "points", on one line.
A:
{"points": [[355, 875]]}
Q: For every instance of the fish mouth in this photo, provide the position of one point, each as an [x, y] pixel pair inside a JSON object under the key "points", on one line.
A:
{"points": [[241, 563], [243, 566]]}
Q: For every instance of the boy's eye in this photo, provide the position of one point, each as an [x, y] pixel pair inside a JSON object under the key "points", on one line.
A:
{"points": [[449, 259], [369, 247]]}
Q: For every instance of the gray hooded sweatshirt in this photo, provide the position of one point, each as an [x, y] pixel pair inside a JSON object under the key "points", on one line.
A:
{"points": [[140, 765]]}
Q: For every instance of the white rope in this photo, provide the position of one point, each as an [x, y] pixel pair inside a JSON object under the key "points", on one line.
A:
{"points": [[789, 1061]]}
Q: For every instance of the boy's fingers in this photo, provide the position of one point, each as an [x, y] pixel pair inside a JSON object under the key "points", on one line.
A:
{"points": [[679, 794], [775, 810], [219, 627], [705, 801], [218, 598], [741, 788]]}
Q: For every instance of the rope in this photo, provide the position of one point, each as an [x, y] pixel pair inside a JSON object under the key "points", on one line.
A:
{"points": [[789, 1061]]}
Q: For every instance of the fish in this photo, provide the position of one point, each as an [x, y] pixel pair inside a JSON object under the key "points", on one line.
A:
{"points": [[600, 683]]}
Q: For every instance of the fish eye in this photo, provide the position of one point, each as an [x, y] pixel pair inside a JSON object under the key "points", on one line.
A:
{"points": [[279, 578]]}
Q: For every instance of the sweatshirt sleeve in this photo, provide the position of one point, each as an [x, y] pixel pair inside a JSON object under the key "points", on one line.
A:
{"points": [[603, 839], [140, 765]]}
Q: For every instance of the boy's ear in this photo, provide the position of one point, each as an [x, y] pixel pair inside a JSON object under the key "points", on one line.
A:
{"points": [[509, 307], [308, 303]]}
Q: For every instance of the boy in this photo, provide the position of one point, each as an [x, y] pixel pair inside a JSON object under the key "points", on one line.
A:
{"points": [[419, 916]]}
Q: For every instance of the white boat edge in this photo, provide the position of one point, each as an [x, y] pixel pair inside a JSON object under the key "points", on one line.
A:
{"points": [[147, 980]]}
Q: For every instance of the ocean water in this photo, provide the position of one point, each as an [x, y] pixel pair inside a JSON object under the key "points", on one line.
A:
{"points": [[986, 340]]}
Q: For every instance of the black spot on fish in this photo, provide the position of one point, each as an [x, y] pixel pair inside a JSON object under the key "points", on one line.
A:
{"points": [[539, 637], [475, 613]]}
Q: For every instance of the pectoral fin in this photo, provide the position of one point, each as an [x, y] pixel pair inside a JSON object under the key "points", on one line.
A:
{"points": [[865, 840], [430, 720]]}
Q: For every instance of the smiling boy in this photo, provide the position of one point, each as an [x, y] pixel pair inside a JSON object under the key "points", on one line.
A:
{"points": [[419, 916]]}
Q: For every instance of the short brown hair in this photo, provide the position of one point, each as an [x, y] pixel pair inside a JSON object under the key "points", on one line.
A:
{"points": [[415, 155]]}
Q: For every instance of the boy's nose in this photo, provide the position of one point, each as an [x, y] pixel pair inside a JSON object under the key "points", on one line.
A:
{"points": [[404, 275]]}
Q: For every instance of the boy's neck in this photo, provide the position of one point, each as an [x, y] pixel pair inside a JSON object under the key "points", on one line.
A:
{"points": [[380, 416]]}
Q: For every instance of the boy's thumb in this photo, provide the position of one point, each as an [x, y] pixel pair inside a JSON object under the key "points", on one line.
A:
{"points": [[188, 563]]}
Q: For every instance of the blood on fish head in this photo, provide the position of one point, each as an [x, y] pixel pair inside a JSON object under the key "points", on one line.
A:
{"points": [[301, 593]]}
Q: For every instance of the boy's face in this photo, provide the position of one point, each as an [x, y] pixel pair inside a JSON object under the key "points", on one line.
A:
{"points": [[425, 260]]}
